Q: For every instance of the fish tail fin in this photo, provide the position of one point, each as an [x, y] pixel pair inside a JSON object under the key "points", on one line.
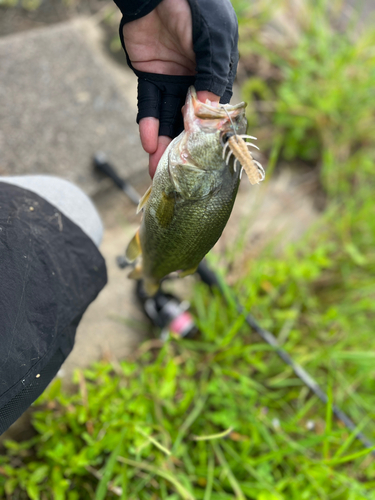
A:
{"points": [[134, 249]]}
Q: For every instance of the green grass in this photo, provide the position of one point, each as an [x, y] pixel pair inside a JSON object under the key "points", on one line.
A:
{"points": [[312, 94], [222, 417]]}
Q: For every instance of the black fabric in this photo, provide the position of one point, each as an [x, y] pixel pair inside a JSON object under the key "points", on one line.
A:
{"points": [[29, 392], [215, 42], [134, 9], [50, 271], [163, 99]]}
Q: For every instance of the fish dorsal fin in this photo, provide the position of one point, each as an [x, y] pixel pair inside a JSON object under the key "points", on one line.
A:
{"points": [[143, 200], [134, 248]]}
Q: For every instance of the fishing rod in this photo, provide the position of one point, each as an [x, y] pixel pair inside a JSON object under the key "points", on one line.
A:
{"points": [[210, 278]]}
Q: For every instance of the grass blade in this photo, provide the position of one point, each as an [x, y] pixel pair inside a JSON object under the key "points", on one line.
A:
{"points": [[153, 441], [210, 478], [233, 481], [186, 495], [213, 436], [188, 422], [101, 490]]}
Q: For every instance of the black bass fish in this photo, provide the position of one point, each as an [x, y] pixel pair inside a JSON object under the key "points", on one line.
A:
{"points": [[191, 198]]}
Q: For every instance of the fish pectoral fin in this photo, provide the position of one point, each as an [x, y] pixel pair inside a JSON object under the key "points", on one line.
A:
{"points": [[134, 249], [144, 199], [186, 272]]}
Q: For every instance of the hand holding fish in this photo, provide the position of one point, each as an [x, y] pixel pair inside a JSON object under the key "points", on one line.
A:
{"points": [[172, 45], [177, 44]]}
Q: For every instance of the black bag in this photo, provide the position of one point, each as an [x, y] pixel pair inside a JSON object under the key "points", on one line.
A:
{"points": [[50, 271]]}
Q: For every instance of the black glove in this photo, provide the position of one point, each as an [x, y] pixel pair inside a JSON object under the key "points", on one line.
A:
{"points": [[162, 97], [215, 39]]}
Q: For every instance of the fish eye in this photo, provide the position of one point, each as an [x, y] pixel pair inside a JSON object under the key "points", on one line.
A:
{"points": [[225, 136]]}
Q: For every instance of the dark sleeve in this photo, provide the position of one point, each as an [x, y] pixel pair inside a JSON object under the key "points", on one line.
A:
{"points": [[134, 9], [50, 272], [215, 40]]}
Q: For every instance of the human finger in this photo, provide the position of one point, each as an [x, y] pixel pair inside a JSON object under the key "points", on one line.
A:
{"points": [[203, 95], [154, 158], [149, 132]]}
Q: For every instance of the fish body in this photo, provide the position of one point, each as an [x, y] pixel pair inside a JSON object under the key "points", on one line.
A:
{"points": [[192, 194]]}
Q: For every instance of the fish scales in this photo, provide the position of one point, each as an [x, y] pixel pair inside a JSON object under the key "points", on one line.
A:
{"points": [[181, 245]]}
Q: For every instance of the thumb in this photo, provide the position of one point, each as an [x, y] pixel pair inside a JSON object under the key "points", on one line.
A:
{"points": [[203, 95]]}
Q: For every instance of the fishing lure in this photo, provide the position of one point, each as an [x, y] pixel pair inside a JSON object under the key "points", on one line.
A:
{"points": [[239, 149]]}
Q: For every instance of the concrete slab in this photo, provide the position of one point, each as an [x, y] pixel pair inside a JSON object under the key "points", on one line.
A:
{"points": [[61, 100]]}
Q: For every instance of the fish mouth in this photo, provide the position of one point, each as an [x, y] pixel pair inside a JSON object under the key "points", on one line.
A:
{"points": [[204, 115]]}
